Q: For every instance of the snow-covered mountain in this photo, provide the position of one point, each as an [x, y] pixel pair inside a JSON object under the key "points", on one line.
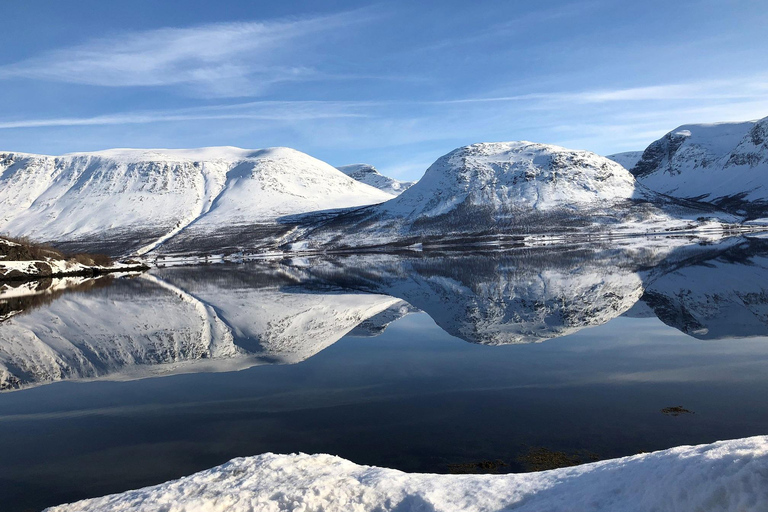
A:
{"points": [[627, 159], [512, 188], [122, 201], [725, 164], [369, 175]]}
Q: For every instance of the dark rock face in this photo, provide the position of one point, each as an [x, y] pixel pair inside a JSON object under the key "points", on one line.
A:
{"points": [[658, 154]]}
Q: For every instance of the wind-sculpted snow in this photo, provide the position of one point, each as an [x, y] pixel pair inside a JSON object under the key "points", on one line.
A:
{"points": [[122, 201], [728, 476], [726, 164], [369, 175], [512, 188]]}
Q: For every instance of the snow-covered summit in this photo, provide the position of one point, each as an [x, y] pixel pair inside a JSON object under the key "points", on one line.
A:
{"points": [[515, 175], [512, 188], [126, 200], [628, 159], [368, 174], [724, 163]]}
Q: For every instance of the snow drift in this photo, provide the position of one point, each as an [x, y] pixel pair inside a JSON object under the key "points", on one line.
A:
{"points": [[723, 476]]}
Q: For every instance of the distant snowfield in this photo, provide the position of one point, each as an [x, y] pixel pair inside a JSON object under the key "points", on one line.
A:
{"points": [[723, 476]]}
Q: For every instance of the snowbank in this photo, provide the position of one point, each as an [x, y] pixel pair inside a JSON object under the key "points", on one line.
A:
{"points": [[724, 476]]}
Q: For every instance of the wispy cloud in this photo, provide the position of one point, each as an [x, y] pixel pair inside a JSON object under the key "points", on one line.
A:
{"points": [[288, 111], [744, 88], [223, 59]]}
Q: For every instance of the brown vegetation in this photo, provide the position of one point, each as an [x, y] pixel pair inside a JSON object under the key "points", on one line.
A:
{"points": [[24, 249]]}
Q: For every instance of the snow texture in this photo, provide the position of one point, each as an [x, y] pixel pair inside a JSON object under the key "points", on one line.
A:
{"points": [[726, 476]]}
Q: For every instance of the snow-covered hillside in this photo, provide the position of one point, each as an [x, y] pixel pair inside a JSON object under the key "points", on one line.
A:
{"points": [[725, 163], [627, 159], [369, 175], [724, 476], [123, 200], [514, 188]]}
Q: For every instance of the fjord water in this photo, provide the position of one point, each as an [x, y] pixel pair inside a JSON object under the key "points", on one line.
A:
{"points": [[422, 362]]}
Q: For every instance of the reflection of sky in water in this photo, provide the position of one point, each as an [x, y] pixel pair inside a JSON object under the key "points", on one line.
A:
{"points": [[416, 396]]}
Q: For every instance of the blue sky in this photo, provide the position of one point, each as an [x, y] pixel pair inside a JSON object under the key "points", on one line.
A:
{"points": [[395, 84]]}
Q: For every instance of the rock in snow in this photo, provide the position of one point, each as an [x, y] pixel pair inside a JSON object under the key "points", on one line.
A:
{"points": [[723, 476], [369, 175], [725, 163]]}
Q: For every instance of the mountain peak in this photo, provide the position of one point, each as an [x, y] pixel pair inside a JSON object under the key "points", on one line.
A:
{"points": [[723, 163], [518, 175], [368, 174]]}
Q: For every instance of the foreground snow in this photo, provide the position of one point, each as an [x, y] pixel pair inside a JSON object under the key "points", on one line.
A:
{"points": [[724, 476]]}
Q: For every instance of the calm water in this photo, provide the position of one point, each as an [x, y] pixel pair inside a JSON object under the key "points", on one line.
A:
{"points": [[417, 362]]}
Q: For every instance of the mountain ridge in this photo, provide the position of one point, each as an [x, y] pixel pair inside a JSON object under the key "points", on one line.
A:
{"points": [[135, 200], [725, 164]]}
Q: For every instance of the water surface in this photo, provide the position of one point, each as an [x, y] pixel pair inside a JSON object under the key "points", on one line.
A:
{"points": [[421, 362]]}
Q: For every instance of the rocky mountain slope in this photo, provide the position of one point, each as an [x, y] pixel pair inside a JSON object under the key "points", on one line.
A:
{"points": [[513, 188], [369, 175], [131, 201], [725, 164]]}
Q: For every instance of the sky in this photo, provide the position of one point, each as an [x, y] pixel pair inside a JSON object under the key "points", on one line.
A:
{"points": [[394, 84]]}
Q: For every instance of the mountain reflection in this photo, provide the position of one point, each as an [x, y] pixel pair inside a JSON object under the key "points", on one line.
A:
{"points": [[227, 317]]}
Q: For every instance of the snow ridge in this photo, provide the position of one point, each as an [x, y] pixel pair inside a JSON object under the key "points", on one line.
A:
{"points": [[627, 159], [723, 476]]}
